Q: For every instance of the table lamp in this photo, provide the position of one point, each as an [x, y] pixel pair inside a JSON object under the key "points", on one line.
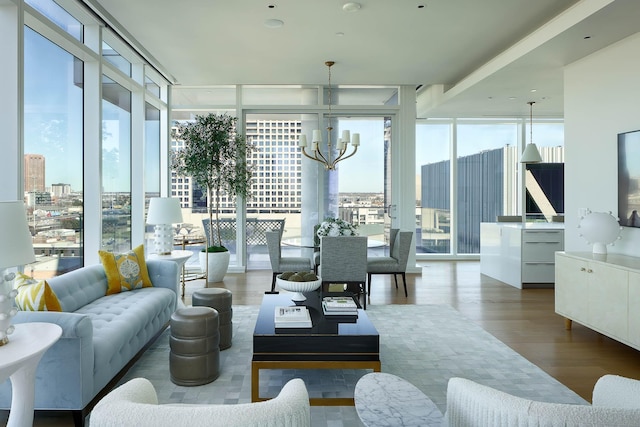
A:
{"points": [[16, 249], [163, 213], [600, 229]]}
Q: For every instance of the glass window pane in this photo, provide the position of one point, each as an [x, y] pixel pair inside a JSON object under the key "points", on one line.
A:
{"points": [[151, 86], [116, 167], [202, 97], [363, 201], [279, 95], [113, 57], [487, 178], [433, 171], [545, 181], [53, 123], [58, 16]]}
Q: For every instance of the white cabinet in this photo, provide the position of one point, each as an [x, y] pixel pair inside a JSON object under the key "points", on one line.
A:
{"points": [[601, 292], [521, 255]]}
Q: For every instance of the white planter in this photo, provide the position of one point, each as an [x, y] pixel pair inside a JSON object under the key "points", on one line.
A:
{"points": [[218, 264]]}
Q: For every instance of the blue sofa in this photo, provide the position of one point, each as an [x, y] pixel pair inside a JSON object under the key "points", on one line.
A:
{"points": [[101, 335]]}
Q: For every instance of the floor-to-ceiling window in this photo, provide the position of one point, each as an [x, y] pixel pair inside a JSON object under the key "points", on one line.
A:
{"points": [[484, 182], [53, 184], [116, 166], [433, 201]]}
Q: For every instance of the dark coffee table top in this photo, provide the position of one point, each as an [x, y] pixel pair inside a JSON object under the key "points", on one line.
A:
{"points": [[330, 338]]}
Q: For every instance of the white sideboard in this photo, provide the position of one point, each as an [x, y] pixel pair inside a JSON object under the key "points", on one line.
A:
{"points": [[520, 254], [601, 292]]}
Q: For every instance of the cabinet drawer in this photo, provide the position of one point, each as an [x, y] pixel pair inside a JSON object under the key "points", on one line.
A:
{"points": [[538, 272], [540, 251], [542, 236]]}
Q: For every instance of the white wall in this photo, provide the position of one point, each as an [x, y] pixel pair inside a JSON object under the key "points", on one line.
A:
{"points": [[601, 99]]}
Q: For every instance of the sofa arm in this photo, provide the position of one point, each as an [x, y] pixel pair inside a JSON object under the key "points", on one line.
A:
{"points": [[67, 367], [614, 391], [163, 274]]}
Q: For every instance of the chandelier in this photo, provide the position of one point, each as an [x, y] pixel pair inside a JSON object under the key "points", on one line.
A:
{"points": [[341, 146]]}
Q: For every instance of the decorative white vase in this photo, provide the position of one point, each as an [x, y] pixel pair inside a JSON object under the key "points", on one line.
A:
{"points": [[298, 287], [218, 265]]}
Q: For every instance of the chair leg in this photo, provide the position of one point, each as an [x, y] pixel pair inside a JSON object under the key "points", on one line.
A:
{"points": [[364, 294], [369, 282], [273, 285], [395, 277], [404, 282]]}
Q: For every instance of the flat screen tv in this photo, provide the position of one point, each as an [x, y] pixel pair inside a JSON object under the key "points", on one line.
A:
{"points": [[629, 178]]}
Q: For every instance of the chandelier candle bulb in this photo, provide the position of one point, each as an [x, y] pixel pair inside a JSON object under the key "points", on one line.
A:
{"points": [[303, 141], [346, 135], [317, 137], [356, 140]]}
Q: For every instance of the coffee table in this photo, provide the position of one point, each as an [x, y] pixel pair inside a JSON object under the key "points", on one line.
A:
{"points": [[332, 343]]}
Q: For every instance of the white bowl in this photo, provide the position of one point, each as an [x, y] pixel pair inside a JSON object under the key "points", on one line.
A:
{"points": [[298, 287]]}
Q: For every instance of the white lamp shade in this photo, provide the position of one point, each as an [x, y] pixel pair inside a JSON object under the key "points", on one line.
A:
{"points": [[531, 154], [164, 210], [600, 229], [16, 245]]}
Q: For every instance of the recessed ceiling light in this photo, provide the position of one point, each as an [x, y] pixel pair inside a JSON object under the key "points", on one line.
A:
{"points": [[339, 34], [512, 98], [586, 37], [272, 6], [273, 23], [351, 7], [534, 90], [421, 6]]}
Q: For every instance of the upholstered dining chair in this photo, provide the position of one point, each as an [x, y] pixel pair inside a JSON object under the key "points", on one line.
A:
{"points": [[396, 262], [280, 264], [343, 259]]}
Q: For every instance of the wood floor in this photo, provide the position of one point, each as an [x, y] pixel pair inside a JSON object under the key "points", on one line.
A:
{"points": [[523, 319]]}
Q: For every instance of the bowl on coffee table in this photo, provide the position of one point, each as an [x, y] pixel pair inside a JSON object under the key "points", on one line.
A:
{"points": [[298, 287]]}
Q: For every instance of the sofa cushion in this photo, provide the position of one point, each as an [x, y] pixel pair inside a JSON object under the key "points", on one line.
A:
{"points": [[35, 295], [125, 271], [77, 288], [122, 324]]}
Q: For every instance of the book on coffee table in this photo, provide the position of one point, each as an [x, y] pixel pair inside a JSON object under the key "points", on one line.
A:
{"points": [[339, 306], [292, 317]]}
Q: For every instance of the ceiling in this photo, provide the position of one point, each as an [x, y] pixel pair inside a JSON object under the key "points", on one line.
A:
{"points": [[467, 58]]}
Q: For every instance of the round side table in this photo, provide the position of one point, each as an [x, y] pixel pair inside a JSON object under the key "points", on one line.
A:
{"points": [[180, 258], [19, 360]]}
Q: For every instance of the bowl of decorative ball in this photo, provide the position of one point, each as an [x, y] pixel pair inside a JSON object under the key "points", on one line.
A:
{"points": [[298, 282]]}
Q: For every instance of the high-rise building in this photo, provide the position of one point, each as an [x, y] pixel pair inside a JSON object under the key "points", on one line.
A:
{"points": [[34, 173], [277, 187]]}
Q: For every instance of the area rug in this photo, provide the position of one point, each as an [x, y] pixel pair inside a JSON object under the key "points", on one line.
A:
{"points": [[424, 344]]}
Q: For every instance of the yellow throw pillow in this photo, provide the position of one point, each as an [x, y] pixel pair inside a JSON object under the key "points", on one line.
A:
{"points": [[35, 295], [126, 271]]}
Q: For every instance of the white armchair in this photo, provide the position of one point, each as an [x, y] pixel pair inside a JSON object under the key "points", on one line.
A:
{"points": [[616, 402], [135, 403]]}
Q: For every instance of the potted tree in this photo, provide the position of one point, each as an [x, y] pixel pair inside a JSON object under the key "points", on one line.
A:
{"points": [[216, 157]]}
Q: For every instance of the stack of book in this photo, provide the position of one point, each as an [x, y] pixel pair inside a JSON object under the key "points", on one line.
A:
{"points": [[292, 317], [339, 306]]}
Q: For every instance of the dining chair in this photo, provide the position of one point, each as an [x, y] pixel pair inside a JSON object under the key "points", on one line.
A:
{"points": [[316, 248], [280, 264], [396, 262], [343, 259]]}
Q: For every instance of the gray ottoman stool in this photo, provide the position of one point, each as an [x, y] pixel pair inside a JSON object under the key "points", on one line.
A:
{"points": [[220, 300], [195, 354]]}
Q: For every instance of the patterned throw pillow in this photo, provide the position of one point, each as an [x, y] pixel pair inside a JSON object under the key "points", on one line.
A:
{"points": [[35, 295], [126, 271]]}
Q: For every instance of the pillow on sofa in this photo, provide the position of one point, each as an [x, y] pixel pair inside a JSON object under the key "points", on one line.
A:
{"points": [[35, 295], [126, 271]]}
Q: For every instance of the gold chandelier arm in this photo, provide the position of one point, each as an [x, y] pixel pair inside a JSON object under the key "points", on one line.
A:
{"points": [[342, 157]]}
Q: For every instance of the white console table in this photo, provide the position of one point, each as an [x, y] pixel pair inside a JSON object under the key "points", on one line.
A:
{"points": [[520, 254], [601, 292]]}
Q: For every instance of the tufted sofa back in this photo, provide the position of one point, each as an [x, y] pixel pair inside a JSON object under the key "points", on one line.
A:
{"points": [[80, 287]]}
